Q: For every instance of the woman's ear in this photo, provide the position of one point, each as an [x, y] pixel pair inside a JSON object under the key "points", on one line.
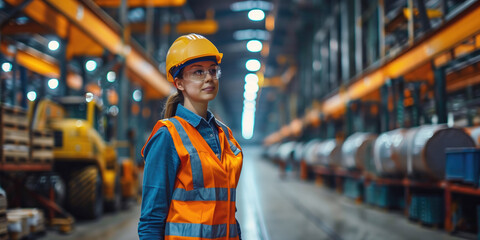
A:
{"points": [[179, 84]]}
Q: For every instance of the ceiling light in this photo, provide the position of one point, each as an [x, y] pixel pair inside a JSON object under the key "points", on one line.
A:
{"points": [[248, 121], [113, 110], [32, 95], [247, 5], [111, 76], [91, 65], [250, 96], [251, 87], [7, 67], [251, 34], [53, 83], [88, 96], [53, 45], [254, 46], [253, 65], [251, 77], [137, 95], [256, 15]]}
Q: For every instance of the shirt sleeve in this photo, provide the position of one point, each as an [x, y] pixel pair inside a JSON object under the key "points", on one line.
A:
{"points": [[161, 165]]}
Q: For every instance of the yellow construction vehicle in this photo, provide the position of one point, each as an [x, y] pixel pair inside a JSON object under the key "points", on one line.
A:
{"points": [[85, 155]]}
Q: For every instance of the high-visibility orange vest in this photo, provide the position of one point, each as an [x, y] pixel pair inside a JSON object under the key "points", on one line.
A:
{"points": [[203, 200]]}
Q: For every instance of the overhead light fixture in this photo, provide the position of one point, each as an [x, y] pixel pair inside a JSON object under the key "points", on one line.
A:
{"points": [[254, 46], [32, 95], [247, 5], [6, 67], [53, 45], [248, 121], [53, 83], [91, 65], [88, 96], [137, 95], [250, 96], [251, 87], [113, 110], [111, 76], [256, 15], [251, 77], [247, 34], [253, 65]]}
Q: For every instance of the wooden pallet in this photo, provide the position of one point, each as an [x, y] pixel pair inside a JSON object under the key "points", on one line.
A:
{"points": [[17, 226], [14, 135], [42, 143], [13, 117]]}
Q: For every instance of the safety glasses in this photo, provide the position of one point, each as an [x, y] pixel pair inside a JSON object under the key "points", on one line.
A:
{"points": [[200, 74]]}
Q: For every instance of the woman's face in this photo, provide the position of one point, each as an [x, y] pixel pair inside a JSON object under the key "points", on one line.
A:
{"points": [[199, 81]]}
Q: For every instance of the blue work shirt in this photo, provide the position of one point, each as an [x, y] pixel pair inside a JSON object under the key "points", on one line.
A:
{"points": [[161, 165]]}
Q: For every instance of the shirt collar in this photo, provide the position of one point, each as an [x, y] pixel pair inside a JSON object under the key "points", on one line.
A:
{"points": [[192, 117]]}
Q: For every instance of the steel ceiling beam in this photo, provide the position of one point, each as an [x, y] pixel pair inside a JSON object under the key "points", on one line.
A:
{"points": [[91, 21]]}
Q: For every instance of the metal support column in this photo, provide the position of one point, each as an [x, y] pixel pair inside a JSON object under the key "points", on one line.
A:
{"points": [[123, 92], [411, 23], [62, 59], [400, 107], [416, 111], [23, 86], [422, 10], [359, 37], [345, 39], [381, 27], [384, 113], [470, 111], [334, 50], [349, 118], [440, 93], [13, 89]]}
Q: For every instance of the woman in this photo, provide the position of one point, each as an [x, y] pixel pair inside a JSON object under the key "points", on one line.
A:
{"points": [[192, 161]]}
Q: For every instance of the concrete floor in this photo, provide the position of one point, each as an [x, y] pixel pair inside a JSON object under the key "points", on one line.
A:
{"points": [[270, 208]]}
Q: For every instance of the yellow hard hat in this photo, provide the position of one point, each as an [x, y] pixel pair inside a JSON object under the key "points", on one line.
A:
{"points": [[187, 48]]}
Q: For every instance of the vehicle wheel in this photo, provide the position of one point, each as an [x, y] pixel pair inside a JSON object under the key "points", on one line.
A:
{"points": [[85, 197]]}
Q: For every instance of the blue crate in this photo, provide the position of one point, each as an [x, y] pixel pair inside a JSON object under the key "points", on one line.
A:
{"points": [[463, 164]]}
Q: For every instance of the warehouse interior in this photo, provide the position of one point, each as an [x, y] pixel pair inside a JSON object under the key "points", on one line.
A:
{"points": [[358, 119]]}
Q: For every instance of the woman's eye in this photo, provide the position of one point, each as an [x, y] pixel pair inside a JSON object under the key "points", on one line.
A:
{"points": [[198, 72], [212, 71]]}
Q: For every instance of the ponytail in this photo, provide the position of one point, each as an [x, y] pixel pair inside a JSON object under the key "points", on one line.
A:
{"points": [[172, 103]]}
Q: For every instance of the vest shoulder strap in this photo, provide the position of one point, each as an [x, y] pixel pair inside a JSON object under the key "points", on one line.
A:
{"points": [[158, 125], [227, 131], [196, 164]]}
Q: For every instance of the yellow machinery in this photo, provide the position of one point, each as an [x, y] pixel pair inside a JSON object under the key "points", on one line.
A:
{"points": [[84, 155]]}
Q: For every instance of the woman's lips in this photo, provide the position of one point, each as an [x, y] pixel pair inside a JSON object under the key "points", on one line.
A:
{"points": [[209, 89]]}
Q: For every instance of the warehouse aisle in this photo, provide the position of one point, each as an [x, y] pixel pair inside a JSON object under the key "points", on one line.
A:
{"points": [[274, 209], [270, 208]]}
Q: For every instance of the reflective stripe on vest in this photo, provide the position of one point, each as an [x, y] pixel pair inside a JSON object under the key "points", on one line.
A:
{"points": [[196, 164], [234, 148], [204, 194], [200, 230]]}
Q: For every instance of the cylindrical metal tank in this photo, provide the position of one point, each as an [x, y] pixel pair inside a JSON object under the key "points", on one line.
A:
{"points": [[425, 147], [357, 152], [272, 151], [309, 151], [298, 151], [329, 153], [386, 153], [285, 151]]}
